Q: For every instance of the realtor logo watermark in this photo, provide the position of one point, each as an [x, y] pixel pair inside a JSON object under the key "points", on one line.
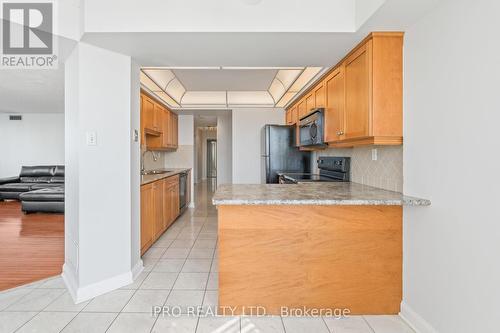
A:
{"points": [[28, 35]]}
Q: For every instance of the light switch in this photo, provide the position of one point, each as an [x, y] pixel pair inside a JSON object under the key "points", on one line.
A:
{"points": [[136, 135], [374, 154], [91, 139]]}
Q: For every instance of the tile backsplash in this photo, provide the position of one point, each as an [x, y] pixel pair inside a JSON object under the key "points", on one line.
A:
{"points": [[180, 158], [386, 172], [150, 163]]}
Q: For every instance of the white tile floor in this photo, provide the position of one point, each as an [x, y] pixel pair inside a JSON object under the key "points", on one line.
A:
{"points": [[180, 270]]}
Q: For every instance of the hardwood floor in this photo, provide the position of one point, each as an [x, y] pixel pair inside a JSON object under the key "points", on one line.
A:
{"points": [[31, 246]]}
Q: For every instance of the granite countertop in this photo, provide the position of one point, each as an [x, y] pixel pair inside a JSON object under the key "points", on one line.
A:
{"points": [[341, 193], [146, 179]]}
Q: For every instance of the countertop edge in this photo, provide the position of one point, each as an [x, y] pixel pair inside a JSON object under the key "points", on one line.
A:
{"points": [[257, 202], [158, 177], [312, 194]]}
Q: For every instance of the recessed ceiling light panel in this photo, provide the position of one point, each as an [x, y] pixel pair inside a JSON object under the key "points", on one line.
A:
{"points": [[204, 98], [307, 75], [162, 77], [249, 98], [175, 89]]}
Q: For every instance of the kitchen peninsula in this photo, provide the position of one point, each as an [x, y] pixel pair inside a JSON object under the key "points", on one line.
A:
{"points": [[313, 246]]}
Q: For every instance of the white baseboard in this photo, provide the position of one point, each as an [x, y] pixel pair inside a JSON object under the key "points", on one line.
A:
{"points": [[137, 269], [70, 280], [414, 320], [99, 288]]}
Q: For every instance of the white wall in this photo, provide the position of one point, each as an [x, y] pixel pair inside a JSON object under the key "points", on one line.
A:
{"points": [[100, 222], [38, 139], [135, 169], [451, 156], [247, 138], [224, 149], [186, 130]]}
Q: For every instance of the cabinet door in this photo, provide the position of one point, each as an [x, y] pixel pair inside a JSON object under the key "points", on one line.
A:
{"points": [[302, 108], [310, 103], [357, 93], [288, 117], [167, 204], [158, 209], [175, 201], [165, 129], [158, 117], [148, 112], [156, 142], [334, 109], [175, 130], [293, 115], [319, 95], [147, 216]]}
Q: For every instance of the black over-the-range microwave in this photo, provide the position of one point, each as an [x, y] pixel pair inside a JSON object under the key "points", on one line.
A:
{"points": [[312, 129]]}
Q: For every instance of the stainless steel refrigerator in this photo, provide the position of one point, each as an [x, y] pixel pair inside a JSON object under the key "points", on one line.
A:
{"points": [[279, 153]]}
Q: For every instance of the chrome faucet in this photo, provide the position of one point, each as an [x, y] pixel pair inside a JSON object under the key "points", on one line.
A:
{"points": [[155, 158]]}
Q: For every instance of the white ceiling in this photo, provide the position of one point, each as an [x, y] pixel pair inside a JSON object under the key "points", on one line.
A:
{"points": [[35, 90], [256, 49], [43, 91], [225, 79], [205, 121], [32, 91]]}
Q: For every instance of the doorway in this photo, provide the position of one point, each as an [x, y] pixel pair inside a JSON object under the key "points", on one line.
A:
{"points": [[212, 158]]}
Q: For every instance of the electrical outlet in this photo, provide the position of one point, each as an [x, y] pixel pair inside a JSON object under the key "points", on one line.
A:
{"points": [[374, 154], [91, 139]]}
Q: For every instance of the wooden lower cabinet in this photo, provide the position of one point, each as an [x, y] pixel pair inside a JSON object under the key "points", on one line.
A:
{"points": [[313, 257], [159, 209], [148, 216]]}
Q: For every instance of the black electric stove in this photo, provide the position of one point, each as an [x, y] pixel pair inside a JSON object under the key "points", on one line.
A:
{"points": [[331, 169]]}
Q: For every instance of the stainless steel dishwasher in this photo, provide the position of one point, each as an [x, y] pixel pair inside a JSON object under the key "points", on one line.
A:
{"points": [[183, 190]]}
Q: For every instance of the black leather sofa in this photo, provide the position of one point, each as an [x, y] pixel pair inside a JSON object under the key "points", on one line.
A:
{"points": [[39, 188]]}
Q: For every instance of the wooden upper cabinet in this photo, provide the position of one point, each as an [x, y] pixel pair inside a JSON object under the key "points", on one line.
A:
{"points": [[358, 92], [159, 125], [363, 94], [167, 135], [288, 117], [319, 95], [175, 130], [301, 109], [293, 114], [148, 113], [310, 103], [334, 86]]}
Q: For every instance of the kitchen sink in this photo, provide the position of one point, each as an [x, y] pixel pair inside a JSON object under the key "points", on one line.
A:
{"points": [[155, 172]]}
